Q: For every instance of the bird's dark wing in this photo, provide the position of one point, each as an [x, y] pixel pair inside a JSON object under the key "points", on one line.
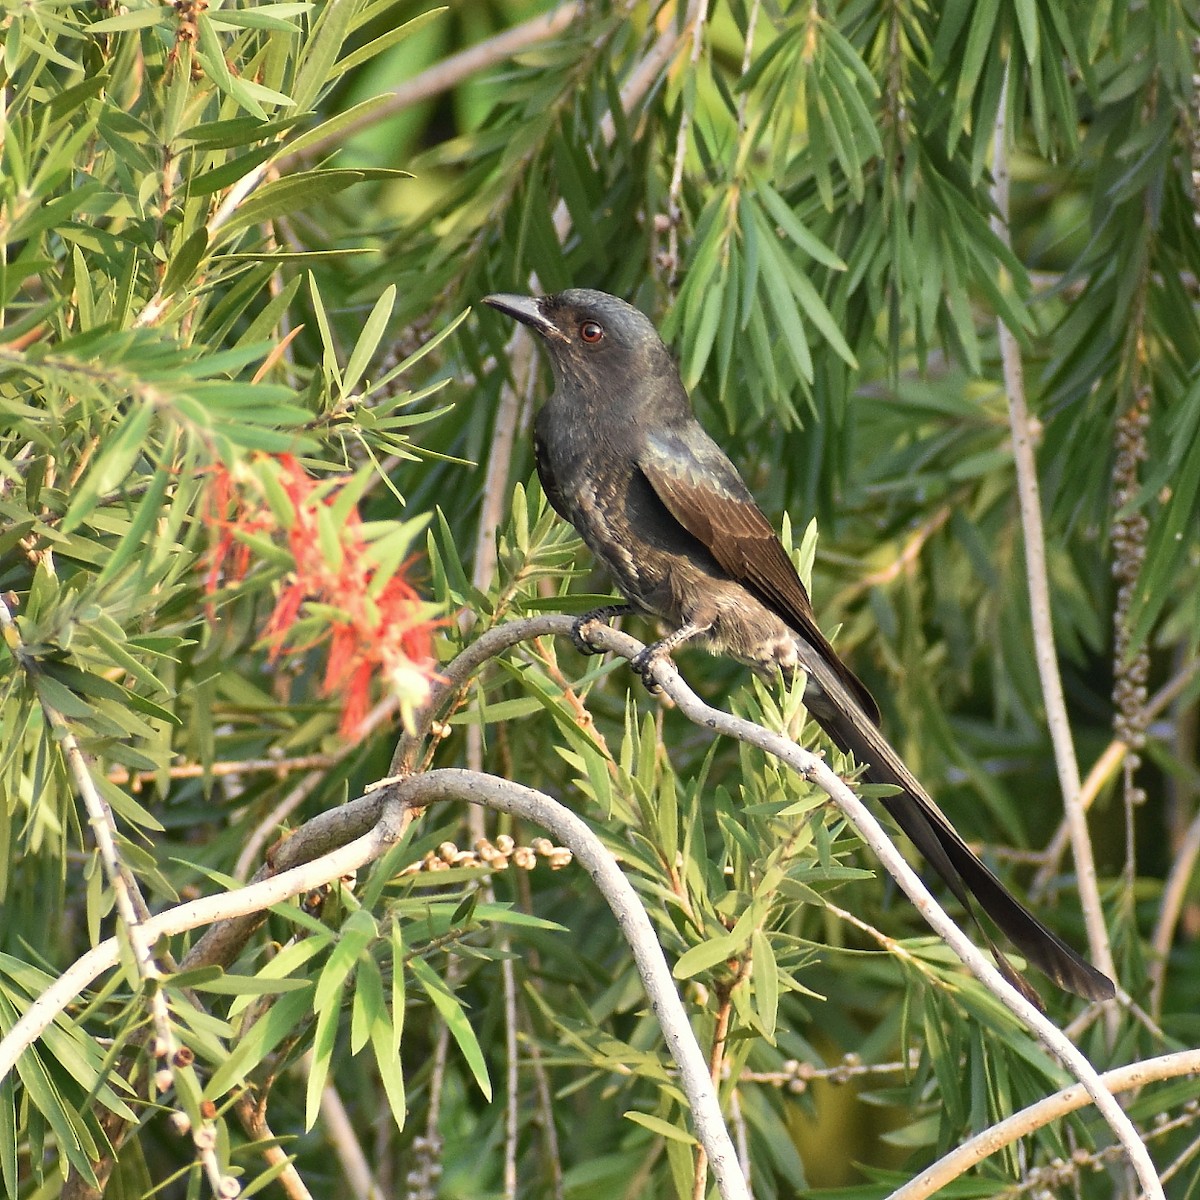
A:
{"points": [[703, 491]]}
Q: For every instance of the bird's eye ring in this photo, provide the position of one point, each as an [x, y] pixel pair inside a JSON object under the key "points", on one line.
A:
{"points": [[591, 332]]}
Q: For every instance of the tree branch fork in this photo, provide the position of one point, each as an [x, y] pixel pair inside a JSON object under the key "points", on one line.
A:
{"points": [[342, 840]]}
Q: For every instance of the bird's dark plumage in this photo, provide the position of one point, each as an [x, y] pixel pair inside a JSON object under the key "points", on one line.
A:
{"points": [[622, 457]]}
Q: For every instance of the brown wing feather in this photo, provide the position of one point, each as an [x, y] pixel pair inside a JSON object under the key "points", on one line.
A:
{"points": [[738, 535]]}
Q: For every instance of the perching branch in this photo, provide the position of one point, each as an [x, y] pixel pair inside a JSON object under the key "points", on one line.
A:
{"points": [[816, 770], [622, 899], [241, 911]]}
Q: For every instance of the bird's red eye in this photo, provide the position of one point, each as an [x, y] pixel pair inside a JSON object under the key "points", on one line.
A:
{"points": [[591, 332]]}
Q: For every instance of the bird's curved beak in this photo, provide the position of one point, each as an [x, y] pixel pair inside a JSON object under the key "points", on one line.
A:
{"points": [[527, 310]]}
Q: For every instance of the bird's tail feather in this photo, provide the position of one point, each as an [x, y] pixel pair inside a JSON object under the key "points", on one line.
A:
{"points": [[920, 818]]}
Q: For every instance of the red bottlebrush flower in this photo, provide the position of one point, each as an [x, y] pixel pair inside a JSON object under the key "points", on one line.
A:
{"points": [[372, 629]]}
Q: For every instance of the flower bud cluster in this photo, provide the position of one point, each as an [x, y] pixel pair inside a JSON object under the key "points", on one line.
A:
{"points": [[493, 855]]}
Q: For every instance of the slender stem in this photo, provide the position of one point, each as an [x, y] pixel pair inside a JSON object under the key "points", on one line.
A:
{"points": [[1174, 894], [252, 900], [716, 1069], [443, 76], [1103, 770], [250, 1113], [675, 190], [512, 1079], [1039, 1115], [1029, 500], [340, 1130]]}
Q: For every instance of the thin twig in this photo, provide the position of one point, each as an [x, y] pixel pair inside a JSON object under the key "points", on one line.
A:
{"points": [[512, 1071], [253, 1120], [716, 1070], [268, 827], [427, 1150], [251, 901], [1030, 504], [675, 190], [1039, 1115], [747, 58], [740, 1134], [890, 944], [121, 775], [541, 1079], [1171, 904], [1104, 768], [443, 76], [643, 77], [356, 1170]]}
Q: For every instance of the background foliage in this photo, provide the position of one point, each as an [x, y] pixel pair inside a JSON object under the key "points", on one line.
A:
{"points": [[215, 255]]}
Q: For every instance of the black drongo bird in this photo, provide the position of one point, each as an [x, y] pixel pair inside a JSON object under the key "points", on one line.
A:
{"points": [[622, 457]]}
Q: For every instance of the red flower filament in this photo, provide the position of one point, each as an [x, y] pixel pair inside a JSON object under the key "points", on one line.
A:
{"points": [[372, 630]]}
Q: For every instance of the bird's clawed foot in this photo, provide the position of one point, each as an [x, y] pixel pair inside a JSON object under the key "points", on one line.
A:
{"points": [[646, 662], [593, 617]]}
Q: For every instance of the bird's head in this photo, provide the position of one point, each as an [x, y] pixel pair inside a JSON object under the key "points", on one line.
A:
{"points": [[591, 337]]}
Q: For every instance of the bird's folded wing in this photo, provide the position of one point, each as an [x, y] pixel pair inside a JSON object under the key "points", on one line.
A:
{"points": [[703, 491]]}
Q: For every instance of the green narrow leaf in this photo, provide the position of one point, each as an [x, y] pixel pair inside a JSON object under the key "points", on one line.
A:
{"points": [[707, 955], [368, 342], [377, 1026], [456, 1021], [658, 1125], [322, 50], [795, 228], [354, 937], [390, 1073], [113, 467], [281, 1020], [148, 513], [399, 1000], [367, 1005], [385, 41], [790, 326], [140, 18], [1027, 19], [324, 1041], [979, 44], [280, 197], [705, 332], [766, 982], [187, 258], [329, 358], [211, 54]]}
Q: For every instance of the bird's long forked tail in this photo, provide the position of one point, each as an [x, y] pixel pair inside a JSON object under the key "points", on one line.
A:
{"points": [[924, 823]]}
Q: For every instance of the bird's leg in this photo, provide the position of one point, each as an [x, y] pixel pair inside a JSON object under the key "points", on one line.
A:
{"points": [[602, 616], [645, 662]]}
